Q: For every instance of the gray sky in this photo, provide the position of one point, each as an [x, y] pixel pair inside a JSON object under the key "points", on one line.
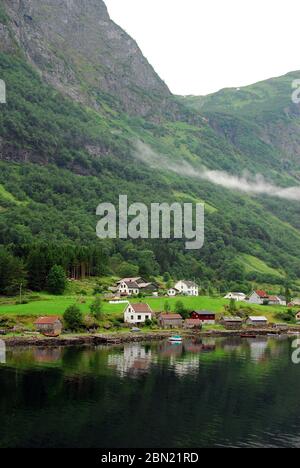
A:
{"points": [[201, 46]]}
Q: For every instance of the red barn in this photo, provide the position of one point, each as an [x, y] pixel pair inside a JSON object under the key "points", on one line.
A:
{"points": [[205, 316]]}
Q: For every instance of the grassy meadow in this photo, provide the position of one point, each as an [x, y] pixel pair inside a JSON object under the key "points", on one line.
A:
{"points": [[46, 304]]}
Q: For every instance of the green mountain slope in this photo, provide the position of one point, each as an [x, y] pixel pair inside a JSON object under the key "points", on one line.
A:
{"points": [[62, 153]]}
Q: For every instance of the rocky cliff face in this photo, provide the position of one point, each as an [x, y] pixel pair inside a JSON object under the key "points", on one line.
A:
{"points": [[82, 52]]}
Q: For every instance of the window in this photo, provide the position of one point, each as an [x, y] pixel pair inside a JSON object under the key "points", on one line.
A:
{"points": [[147, 317], [132, 317], [139, 317]]}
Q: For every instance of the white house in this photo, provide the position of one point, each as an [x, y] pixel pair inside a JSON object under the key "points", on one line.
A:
{"points": [[137, 313], [258, 297], [133, 286], [172, 292], [128, 288], [237, 296], [188, 288]]}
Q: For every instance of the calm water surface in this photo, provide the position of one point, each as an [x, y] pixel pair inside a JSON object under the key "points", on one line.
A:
{"points": [[211, 393]]}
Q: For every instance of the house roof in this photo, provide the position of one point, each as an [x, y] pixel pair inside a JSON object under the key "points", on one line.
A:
{"points": [[170, 316], [258, 319], [132, 284], [237, 294], [47, 320], [190, 284], [203, 312], [261, 293], [129, 280], [146, 285], [141, 308], [232, 319]]}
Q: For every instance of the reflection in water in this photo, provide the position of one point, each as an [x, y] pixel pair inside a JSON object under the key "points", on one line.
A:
{"points": [[134, 360], [47, 354], [199, 393]]}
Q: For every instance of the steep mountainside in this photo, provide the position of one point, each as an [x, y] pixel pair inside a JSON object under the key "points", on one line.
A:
{"points": [[82, 52], [79, 96]]}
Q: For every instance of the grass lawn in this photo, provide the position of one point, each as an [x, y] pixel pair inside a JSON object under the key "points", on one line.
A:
{"points": [[56, 305]]}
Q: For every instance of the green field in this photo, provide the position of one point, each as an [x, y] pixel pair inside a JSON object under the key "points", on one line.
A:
{"points": [[56, 305]]}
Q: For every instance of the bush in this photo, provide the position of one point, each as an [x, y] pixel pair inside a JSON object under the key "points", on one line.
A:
{"points": [[96, 308], [73, 318], [288, 316], [180, 309]]}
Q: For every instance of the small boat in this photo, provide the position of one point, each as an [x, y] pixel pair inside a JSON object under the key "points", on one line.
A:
{"points": [[248, 335], [176, 339]]}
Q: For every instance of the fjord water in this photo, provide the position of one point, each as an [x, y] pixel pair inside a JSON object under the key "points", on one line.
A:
{"points": [[209, 393]]}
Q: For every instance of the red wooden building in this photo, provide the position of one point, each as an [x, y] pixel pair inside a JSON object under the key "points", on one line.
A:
{"points": [[205, 316]]}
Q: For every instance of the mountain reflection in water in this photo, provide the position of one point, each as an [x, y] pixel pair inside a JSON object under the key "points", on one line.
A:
{"points": [[198, 393]]}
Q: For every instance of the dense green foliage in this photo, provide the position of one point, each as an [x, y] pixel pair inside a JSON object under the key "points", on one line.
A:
{"points": [[12, 273], [56, 280], [60, 160]]}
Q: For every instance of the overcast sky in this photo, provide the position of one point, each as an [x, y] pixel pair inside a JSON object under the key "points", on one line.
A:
{"points": [[201, 46]]}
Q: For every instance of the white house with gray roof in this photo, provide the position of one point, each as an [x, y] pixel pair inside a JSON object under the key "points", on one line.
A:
{"points": [[187, 288]]}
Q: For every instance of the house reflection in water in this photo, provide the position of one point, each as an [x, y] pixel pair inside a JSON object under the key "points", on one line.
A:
{"points": [[47, 354], [258, 349], [184, 357], [168, 349], [135, 360]]}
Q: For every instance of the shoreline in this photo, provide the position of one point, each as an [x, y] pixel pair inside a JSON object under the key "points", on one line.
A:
{"points": [[118, 338]]}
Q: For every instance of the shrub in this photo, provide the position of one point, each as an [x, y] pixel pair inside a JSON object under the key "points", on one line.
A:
{"points": [[96, 308], [73, 318]]}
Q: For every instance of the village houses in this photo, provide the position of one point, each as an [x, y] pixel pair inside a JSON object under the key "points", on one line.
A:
{"points": [[259, 297], [236, 296], [137, 313], [205, 316], [172, 292], [187, 288], [134, 286]]}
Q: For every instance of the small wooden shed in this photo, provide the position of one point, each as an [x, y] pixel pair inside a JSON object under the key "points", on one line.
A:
{"points": [[170, 321], [232, 322], [192, 324], [49, 326]]}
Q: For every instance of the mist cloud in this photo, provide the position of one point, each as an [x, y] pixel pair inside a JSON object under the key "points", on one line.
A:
{"points": [[246, 183]]}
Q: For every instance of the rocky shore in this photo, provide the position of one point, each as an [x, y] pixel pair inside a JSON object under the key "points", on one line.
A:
{"points": [[119, 338]]}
